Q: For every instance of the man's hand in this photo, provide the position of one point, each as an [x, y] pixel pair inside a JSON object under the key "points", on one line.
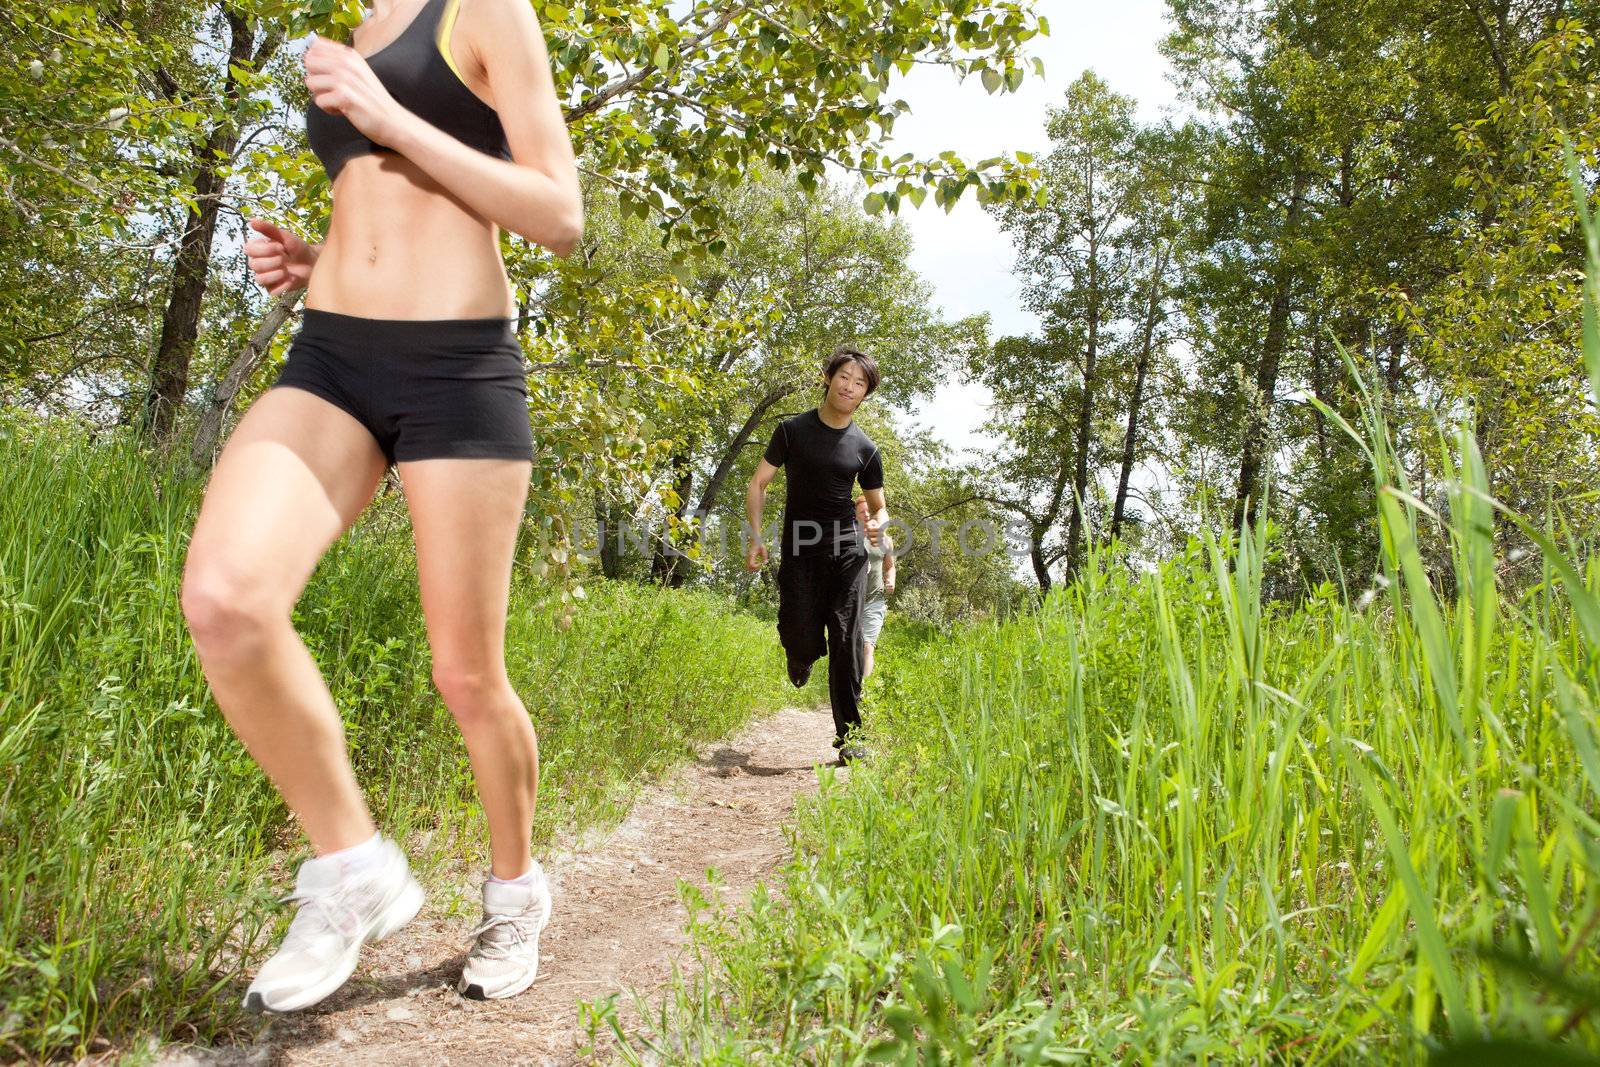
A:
{"points": [[863, 516], [755, 557]]}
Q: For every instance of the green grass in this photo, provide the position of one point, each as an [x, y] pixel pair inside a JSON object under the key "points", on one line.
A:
{"points": [[1164, 821], [141, 851], [1161, 821]]}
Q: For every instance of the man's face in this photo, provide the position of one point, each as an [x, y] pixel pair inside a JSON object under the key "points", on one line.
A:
{"points": [[847, 388]]}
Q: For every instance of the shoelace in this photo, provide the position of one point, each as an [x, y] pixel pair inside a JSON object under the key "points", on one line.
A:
{"points": [[317, 912], [494, 948]]}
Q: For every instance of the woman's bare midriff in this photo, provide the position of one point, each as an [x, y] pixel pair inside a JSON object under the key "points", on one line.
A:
{"points": [[400, 246]]}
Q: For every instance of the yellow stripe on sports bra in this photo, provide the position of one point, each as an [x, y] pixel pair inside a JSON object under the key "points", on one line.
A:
{"points": [[446, 24]]}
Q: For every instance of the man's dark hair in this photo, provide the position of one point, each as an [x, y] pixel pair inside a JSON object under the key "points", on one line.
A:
{"points": [[847, 354]]}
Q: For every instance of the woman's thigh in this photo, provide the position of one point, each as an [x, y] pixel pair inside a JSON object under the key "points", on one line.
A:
{"points": [[465, 514], [296, 472]]}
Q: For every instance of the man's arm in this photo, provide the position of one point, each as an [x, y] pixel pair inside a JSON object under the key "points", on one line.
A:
{"points": [[877, 512], [888, 564], [755, 498]]}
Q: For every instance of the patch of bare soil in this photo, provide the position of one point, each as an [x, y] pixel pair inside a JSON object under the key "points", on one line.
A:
{"points": [[617, 923]]}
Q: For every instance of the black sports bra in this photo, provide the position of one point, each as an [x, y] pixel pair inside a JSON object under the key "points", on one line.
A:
{"points": [[420, 73]]}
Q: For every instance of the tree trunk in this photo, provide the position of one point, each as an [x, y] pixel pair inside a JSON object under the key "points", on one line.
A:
{"points": [[607, 534], [730, 454], [1258, 418], [1319, 389], [1259, 414], [1041, 569], [1394, 369], [667, 566], [1080, 476], [226, 388], [180, 321], [1141, 371]]}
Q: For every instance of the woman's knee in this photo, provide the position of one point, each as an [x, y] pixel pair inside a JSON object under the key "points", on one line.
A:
{"points": [[228, 615], [473, 692]]}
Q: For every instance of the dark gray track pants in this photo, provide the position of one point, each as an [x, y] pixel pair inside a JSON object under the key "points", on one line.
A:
{"points": [[819, 611]]}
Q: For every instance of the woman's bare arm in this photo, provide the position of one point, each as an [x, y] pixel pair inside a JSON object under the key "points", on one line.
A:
{"points": [[536, 193]]}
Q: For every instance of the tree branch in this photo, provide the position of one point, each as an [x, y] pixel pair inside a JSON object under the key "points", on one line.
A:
{"points": [[632, 81], [86, 185]]}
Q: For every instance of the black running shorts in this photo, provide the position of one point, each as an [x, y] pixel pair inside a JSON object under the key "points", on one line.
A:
{"points": [[424, 388]]}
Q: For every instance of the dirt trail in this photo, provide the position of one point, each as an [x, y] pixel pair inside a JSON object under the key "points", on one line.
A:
{"points": [[617, 923]]}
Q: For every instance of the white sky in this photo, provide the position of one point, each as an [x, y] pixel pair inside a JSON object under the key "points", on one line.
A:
{"points": [[963, 255]]}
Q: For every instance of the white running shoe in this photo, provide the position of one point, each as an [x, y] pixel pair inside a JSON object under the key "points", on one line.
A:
{"points": [[338, 913], [505, 958]]}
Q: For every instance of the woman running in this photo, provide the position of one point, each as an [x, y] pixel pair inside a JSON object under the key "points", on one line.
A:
{"points": [[439, 127]]}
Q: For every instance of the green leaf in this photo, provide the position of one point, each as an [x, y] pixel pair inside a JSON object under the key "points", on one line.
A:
{"points": [[991, 80]]}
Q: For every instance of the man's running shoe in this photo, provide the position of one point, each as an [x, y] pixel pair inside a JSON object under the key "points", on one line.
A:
{"points": [[799, 675]]}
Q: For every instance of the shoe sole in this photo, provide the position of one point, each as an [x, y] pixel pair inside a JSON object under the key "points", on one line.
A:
{"points": [[475, 991], [400, 911]]}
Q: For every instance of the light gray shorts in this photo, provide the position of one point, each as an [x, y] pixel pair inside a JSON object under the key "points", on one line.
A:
{"points": [[872, 613]]}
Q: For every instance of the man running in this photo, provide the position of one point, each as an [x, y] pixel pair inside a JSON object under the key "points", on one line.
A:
{"points": [[822, 567]]}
